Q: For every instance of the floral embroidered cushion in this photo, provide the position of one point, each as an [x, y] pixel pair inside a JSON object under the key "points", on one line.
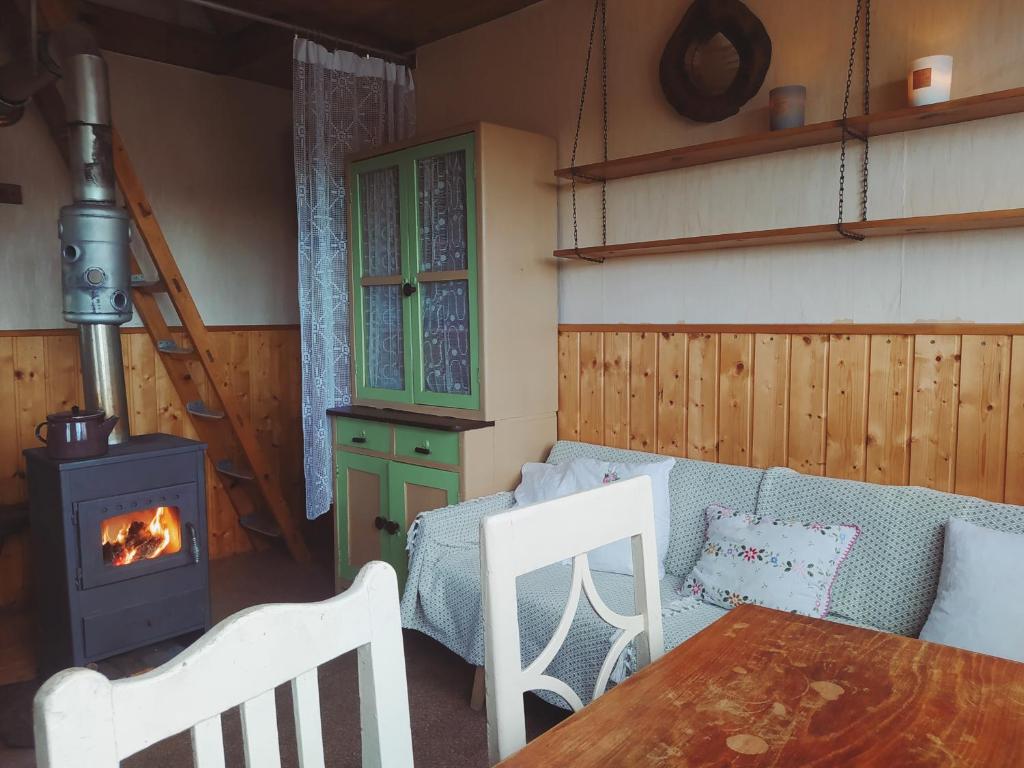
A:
{"points": [[780, 564]]}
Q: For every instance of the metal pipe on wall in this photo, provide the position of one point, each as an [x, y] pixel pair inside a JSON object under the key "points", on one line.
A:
{"points": [[103, 374]]}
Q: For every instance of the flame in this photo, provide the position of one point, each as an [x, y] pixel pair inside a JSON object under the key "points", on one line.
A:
{"points": [[130, 538]]}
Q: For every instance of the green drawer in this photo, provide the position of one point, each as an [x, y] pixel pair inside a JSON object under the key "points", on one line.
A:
{"points": [[427, 444], [371, 435]]}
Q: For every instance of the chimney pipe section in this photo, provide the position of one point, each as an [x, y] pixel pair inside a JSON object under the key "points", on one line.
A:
{"points": [[95, 235]]}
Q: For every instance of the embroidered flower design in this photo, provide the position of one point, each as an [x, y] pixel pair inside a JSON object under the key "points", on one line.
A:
{"points": [[713, 549], [750, 554], [734, 599], [610, 477], [697, 589]]}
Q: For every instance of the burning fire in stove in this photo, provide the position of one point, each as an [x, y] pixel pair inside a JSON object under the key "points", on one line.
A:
{"points": [[141, 535]]}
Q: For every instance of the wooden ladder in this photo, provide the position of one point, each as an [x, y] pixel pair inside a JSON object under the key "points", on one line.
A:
{"points": [[233, 449]]}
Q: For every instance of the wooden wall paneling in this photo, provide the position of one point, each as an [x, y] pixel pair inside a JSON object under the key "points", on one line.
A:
{"points": [[568, 385], [702, 397], [808, 393], [616, 390], [11, 487], [847, 422], [30, 395], [293, 475], [735, 398], [934, 411], [770, 423], [591, 387], [643, 392], [672, 396], [1014, 493], [982, 421], [890, 400], [142, 378]]}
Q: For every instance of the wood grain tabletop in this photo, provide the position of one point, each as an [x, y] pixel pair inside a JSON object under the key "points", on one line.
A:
{"points": [[765, 688]]}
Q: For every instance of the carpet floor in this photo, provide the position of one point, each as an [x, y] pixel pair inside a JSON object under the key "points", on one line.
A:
{"points": [[446, 733]]}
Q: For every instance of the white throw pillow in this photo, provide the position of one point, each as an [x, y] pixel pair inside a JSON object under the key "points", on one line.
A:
{"points": [[543, 482], [975, 608], [780, 564]]}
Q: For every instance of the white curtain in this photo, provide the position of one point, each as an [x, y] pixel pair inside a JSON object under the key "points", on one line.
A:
{"points": [[342, 103]]}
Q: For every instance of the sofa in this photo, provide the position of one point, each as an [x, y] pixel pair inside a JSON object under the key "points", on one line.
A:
{"points": [[888, 582]]}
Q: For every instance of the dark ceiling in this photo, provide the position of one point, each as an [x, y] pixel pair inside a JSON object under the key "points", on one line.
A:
{"points": [[185, 34]]}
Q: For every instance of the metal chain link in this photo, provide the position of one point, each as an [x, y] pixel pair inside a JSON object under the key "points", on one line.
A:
{"points": [[600, 9], [863, 8]]}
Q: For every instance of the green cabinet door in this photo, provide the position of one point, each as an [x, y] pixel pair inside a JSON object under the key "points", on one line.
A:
{"points": [[361, 497], [411, 490]]}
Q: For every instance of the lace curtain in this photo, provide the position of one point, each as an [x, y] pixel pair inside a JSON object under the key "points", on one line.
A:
{"points": [[342, 103]]}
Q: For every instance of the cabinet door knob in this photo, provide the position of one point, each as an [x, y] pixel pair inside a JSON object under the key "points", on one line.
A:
{"points": [[380, 522], [408, 289], [392, 527]]}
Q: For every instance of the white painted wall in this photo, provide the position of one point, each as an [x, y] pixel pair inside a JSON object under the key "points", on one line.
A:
{"points": [[214, 155], [524, 70]]}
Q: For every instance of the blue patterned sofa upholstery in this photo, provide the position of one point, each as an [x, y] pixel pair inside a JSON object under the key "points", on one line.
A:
{"points": [[888, 582]]}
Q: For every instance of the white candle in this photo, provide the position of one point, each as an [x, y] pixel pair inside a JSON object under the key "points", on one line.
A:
{"points": [[930, 80]]}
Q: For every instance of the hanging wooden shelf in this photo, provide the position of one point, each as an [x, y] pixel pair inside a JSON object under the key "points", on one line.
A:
{"points": [[908, 119], [914, 225]]}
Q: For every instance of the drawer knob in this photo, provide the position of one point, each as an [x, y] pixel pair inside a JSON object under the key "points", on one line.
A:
{"points": [[422, 449], [359, 439], [380, 522], [392, 527]]}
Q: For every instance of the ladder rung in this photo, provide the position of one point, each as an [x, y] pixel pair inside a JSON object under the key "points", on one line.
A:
{"points": [[261, 523], [142, 285], [227, 467], [168, 347], [198, 408]]}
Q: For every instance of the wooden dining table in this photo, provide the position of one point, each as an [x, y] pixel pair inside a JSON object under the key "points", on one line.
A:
{"points": [[761, 687]]}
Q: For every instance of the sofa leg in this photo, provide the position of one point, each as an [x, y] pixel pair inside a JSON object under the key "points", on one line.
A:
{"points": [[476, 698]]}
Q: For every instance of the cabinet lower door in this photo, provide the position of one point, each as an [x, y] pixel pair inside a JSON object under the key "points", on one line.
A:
{"points": [[411, 490], [362, 501]]}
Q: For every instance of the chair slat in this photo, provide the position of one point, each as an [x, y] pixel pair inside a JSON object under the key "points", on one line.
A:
{"points": [[208, 744], [306, 705], [259, 732]]}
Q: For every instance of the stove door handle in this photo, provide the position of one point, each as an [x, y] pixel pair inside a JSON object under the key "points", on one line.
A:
{"points": [[193, 542]]}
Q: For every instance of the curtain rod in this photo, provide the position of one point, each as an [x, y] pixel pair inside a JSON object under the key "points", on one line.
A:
{"points": [[399, 58]]}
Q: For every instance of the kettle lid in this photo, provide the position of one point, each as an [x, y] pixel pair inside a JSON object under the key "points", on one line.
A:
{"points": [[77, 414]]}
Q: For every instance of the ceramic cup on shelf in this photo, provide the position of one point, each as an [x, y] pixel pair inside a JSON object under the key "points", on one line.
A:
{"points": [[786, 106], [929, 80]]}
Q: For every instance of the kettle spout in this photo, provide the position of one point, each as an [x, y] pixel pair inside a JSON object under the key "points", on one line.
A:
{"points": [[107, 426]]}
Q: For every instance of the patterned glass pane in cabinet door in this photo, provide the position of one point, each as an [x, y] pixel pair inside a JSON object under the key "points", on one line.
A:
{"points": [[382, 319], [380, 223], [441, 185], [446, 358]]}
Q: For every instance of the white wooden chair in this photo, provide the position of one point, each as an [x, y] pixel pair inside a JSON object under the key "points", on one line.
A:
{"points": [[84, 719], [523, 540]]}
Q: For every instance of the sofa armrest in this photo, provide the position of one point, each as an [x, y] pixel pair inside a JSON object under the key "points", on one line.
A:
{"points": [[458, 524]]}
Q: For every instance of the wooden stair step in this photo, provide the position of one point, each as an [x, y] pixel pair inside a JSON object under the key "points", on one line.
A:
{"points": [[141, 284], [169, 347], [227, 467], [261, 523], [200, 410]]}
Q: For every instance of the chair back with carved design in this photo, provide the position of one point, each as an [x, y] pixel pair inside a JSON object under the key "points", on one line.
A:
{"points": [[524, 540], [84, 719]]}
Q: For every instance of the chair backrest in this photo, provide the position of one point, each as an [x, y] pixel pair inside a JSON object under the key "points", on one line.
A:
{"points": [[84, 719], [526, 539]]}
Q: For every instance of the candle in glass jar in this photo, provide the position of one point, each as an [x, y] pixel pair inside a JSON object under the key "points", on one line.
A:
{"points": [[930, 80], [786, 106]]}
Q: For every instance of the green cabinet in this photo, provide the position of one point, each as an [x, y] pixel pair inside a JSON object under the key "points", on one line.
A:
{"points": [[414, 275], [377, 500]]}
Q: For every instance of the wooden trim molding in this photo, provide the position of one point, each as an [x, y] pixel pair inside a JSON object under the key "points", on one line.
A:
{"points": [[931, 404]]}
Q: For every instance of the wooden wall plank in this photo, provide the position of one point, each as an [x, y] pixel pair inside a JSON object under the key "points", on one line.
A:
{"points": [[591, 387], [142, 384], [568, 385], [1014, 493], [11, 487], [643, 392], [890, 397], [702, 397], [672, 397], [29, 396], [846, 425], [808, 393], [934, 412], [616, 390], [984, 406], [735, 398], [771, 400]]}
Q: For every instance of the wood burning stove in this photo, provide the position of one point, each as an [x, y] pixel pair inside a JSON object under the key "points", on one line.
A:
{"points": [[119, 548]]}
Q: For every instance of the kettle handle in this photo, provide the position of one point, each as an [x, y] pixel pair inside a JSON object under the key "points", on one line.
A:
{"points": [[39, 429], [107, 426]]}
